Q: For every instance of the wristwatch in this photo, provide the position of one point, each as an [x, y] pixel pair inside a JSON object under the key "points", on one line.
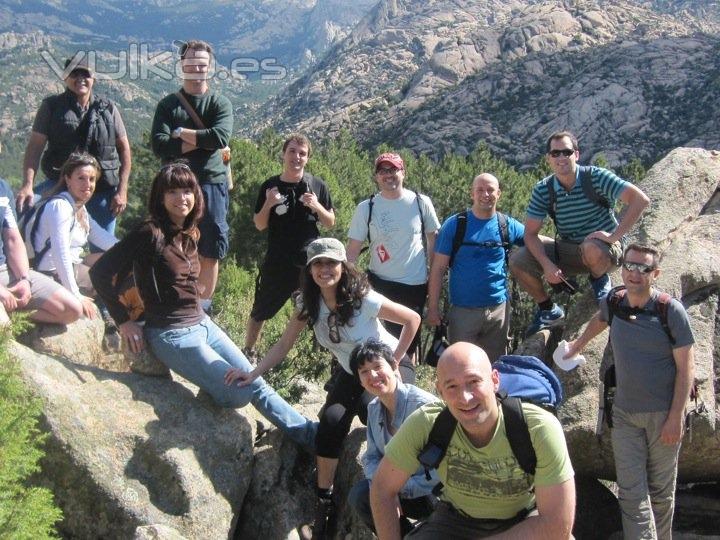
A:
{"points": [[24, 278], [177, 132]]}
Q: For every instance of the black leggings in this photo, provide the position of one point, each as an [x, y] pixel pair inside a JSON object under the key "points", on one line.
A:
{"points": [[347, 398]]}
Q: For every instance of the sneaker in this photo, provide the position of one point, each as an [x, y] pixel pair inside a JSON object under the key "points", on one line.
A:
{"points": [[601, 286], [322, 525], [546, 318]]}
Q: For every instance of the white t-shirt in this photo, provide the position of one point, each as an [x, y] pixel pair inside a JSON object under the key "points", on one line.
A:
{"points": [[363, 325], [396, 244], [68, 239]]}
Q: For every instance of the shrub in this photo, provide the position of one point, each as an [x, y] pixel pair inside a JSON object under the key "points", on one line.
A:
{"points": [[25, 511]]}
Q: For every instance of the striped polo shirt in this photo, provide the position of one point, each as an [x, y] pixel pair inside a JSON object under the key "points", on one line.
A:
{"points": [[576, 215]]}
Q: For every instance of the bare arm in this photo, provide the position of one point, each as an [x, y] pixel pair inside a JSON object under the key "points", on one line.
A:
{"points": [[437, 271], [672, 429], [636, 202], [273, 357], [384, 489], [430, 246], [261, 219], [354, 247], [31, 164], [399, 314], [119, 201], [535, 246], [556, 514], [593, 329], [17, 262]]}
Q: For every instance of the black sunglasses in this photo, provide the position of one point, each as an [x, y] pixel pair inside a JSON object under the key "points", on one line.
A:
{"points": [[333, 327], [640, 267], [567, 152]]}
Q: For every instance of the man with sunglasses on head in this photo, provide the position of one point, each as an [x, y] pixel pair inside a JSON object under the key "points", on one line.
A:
{"points": [[78, 120], [588, 237], [654, 370], [196, 124], [400, 226]]}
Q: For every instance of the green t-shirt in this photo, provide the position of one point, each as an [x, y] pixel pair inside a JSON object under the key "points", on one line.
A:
{"points": [[486, 482]]}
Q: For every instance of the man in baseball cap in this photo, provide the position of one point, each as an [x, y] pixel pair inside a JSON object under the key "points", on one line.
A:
{"points": [[394, 222]]}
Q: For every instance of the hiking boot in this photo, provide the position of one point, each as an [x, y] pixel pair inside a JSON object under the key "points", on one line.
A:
{"points": [[322, 525], [601, 287], [546, 318]]}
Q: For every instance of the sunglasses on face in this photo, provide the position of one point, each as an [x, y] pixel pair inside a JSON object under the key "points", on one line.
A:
{"points": [[333, 327], [640, 267], [567, 152]]}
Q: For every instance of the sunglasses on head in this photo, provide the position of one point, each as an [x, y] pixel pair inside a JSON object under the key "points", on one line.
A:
{"points": [[640, 267], [567, 152], [84, 73]]}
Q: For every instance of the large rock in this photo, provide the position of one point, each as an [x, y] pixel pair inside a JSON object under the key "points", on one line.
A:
{"points": [[681, 188], [80, 341], [128, 451]]}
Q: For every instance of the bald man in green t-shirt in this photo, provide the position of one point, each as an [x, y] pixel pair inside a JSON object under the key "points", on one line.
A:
{"points": [[485, 491]]}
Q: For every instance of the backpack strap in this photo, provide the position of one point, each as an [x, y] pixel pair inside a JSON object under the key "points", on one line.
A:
{"points": [[552, 199], [460, 229], [589, 190], [436, 446], [615, 296], [422, 221], [613, 299], [39, 254], [504, 236], [517, 432], [663, 304]]}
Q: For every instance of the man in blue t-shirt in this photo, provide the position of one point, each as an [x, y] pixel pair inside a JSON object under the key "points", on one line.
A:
{"points": [[654, 369], [479, 308], [588, 237]]}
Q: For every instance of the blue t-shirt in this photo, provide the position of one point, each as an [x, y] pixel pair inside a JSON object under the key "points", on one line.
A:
{"points": [[478, 274], [576, 215], [7, 214]]}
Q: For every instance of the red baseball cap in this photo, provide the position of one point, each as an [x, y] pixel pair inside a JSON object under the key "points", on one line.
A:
{"points": [[388, 157]]}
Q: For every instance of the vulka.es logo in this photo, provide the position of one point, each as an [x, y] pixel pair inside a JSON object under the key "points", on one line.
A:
{"points": [[138, 63]]}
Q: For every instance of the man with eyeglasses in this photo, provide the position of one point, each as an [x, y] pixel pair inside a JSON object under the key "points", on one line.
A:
{"points": [[196, 124], [78, 120], [580, 201], [400, 226], [654, 370]]}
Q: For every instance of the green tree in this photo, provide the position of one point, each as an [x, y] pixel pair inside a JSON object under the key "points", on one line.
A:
{"points": [[26, 512]]}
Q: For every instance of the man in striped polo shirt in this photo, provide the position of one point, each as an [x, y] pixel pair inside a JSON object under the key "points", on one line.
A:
{"points": [[588, 237]]}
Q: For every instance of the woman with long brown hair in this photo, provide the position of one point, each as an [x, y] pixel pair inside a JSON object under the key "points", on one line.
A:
{"points": [[163, 254]]}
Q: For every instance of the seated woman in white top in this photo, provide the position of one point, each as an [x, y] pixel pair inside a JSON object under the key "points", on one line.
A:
{"points": [[64, 229]]}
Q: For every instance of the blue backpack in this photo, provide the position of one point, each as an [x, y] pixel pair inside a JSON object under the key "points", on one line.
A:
{"points": [[522, 378]]}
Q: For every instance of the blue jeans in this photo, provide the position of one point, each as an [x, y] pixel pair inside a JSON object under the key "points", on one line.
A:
{"points": [[203, 353]]}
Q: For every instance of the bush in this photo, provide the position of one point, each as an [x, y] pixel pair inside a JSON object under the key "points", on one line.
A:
{"points": [[25, 511]]}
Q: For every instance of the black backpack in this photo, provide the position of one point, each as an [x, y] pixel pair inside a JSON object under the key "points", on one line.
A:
{"points": [[523, 378], [459, 238], [28, 224]]}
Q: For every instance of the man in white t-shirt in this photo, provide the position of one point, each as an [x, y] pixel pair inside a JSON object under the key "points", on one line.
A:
{"points": [[394, 222]]}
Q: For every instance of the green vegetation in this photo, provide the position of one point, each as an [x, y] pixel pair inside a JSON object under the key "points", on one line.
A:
{"points": [[26, 512]]}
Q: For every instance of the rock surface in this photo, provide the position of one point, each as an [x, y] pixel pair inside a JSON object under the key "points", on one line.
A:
{"points": [[680, 188], [633, 79]]}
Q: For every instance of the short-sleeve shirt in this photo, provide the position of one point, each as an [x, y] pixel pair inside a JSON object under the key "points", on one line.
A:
{"points": [[396, 243], [364, 324], [478, 277], [644, 364], [576, 215], [289, 233], [486, 482], [7, 214]]}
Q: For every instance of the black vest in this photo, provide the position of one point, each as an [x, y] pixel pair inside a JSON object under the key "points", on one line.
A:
{"points": [[94, 133]]}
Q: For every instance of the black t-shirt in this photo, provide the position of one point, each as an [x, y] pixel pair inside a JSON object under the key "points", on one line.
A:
{"points": [[290, 232]]}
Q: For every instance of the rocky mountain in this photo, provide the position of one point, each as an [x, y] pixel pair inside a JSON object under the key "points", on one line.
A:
{"points": [[632, 78]]}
